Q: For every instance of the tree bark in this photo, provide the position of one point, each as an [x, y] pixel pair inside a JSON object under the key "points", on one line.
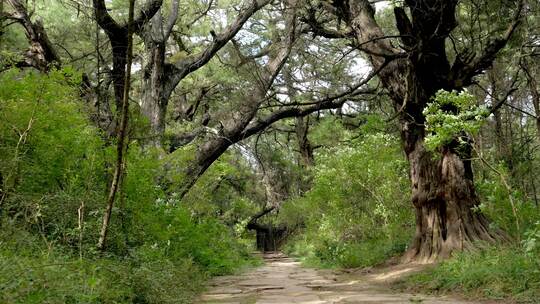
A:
{"points": [[444, 197], [301, 128], [155, 91]]}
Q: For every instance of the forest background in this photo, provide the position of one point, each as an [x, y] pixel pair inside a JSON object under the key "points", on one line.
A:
{"points": [[310, 119]]}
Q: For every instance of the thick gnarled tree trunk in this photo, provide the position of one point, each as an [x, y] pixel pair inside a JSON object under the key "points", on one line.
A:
{"points": [[445, 201]]}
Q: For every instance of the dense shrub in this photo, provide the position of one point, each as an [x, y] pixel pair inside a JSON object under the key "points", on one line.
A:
{"points": [[33, 274], [355, 213], [54, 169]]}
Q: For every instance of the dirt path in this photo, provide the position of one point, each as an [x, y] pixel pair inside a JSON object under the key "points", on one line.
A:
{"points": [[282, 280]]}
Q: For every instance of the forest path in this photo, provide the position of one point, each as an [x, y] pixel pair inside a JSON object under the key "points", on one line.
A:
{"points": [[282, 280]]}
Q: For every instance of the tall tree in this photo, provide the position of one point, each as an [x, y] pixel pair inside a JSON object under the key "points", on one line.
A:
{"points": [[249, 119], [118, 39], [122, 132], [232, 129], [443, 191]]}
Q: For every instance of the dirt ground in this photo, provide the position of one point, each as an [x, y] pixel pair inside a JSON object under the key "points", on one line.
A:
{"points": [[283, 280]]}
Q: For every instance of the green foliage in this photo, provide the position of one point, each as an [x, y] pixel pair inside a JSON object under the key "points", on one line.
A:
{"points": [[450, 115], [8, 58], [55, 168], [328, 131], [171, 231], [227, 190], [32, 276], [50, 156], [496, 204], [531, 243], [497, 272], [356, 213]]}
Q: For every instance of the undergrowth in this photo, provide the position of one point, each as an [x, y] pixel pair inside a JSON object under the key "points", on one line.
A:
{"points": [[54, 169], [355, 214], [507, 273]]}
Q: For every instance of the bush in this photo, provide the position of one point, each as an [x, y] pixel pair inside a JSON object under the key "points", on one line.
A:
{"points": [[355, 213], [497, 206], [54, 170]]}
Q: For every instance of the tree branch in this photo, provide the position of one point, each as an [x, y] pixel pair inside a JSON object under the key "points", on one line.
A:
{"points": [[104, 19], [191, 64], [172, 19], [465, 67], [147, 12], [331, 102]]}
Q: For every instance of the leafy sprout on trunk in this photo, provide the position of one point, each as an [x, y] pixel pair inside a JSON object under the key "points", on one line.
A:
{"points": [[451, 117]]}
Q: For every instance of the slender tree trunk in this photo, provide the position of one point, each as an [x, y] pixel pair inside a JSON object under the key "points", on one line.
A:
{"points": [[120, 47], [301, 125], [304, 145], [122, 131], [2, 19]]}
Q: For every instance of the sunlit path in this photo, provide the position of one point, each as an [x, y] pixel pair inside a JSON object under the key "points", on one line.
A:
{"points": [[283, 280]]}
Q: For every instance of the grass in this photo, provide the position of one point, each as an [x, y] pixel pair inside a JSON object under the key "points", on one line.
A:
{"points": [[34, 273], [506, 273], [56, 278]]}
